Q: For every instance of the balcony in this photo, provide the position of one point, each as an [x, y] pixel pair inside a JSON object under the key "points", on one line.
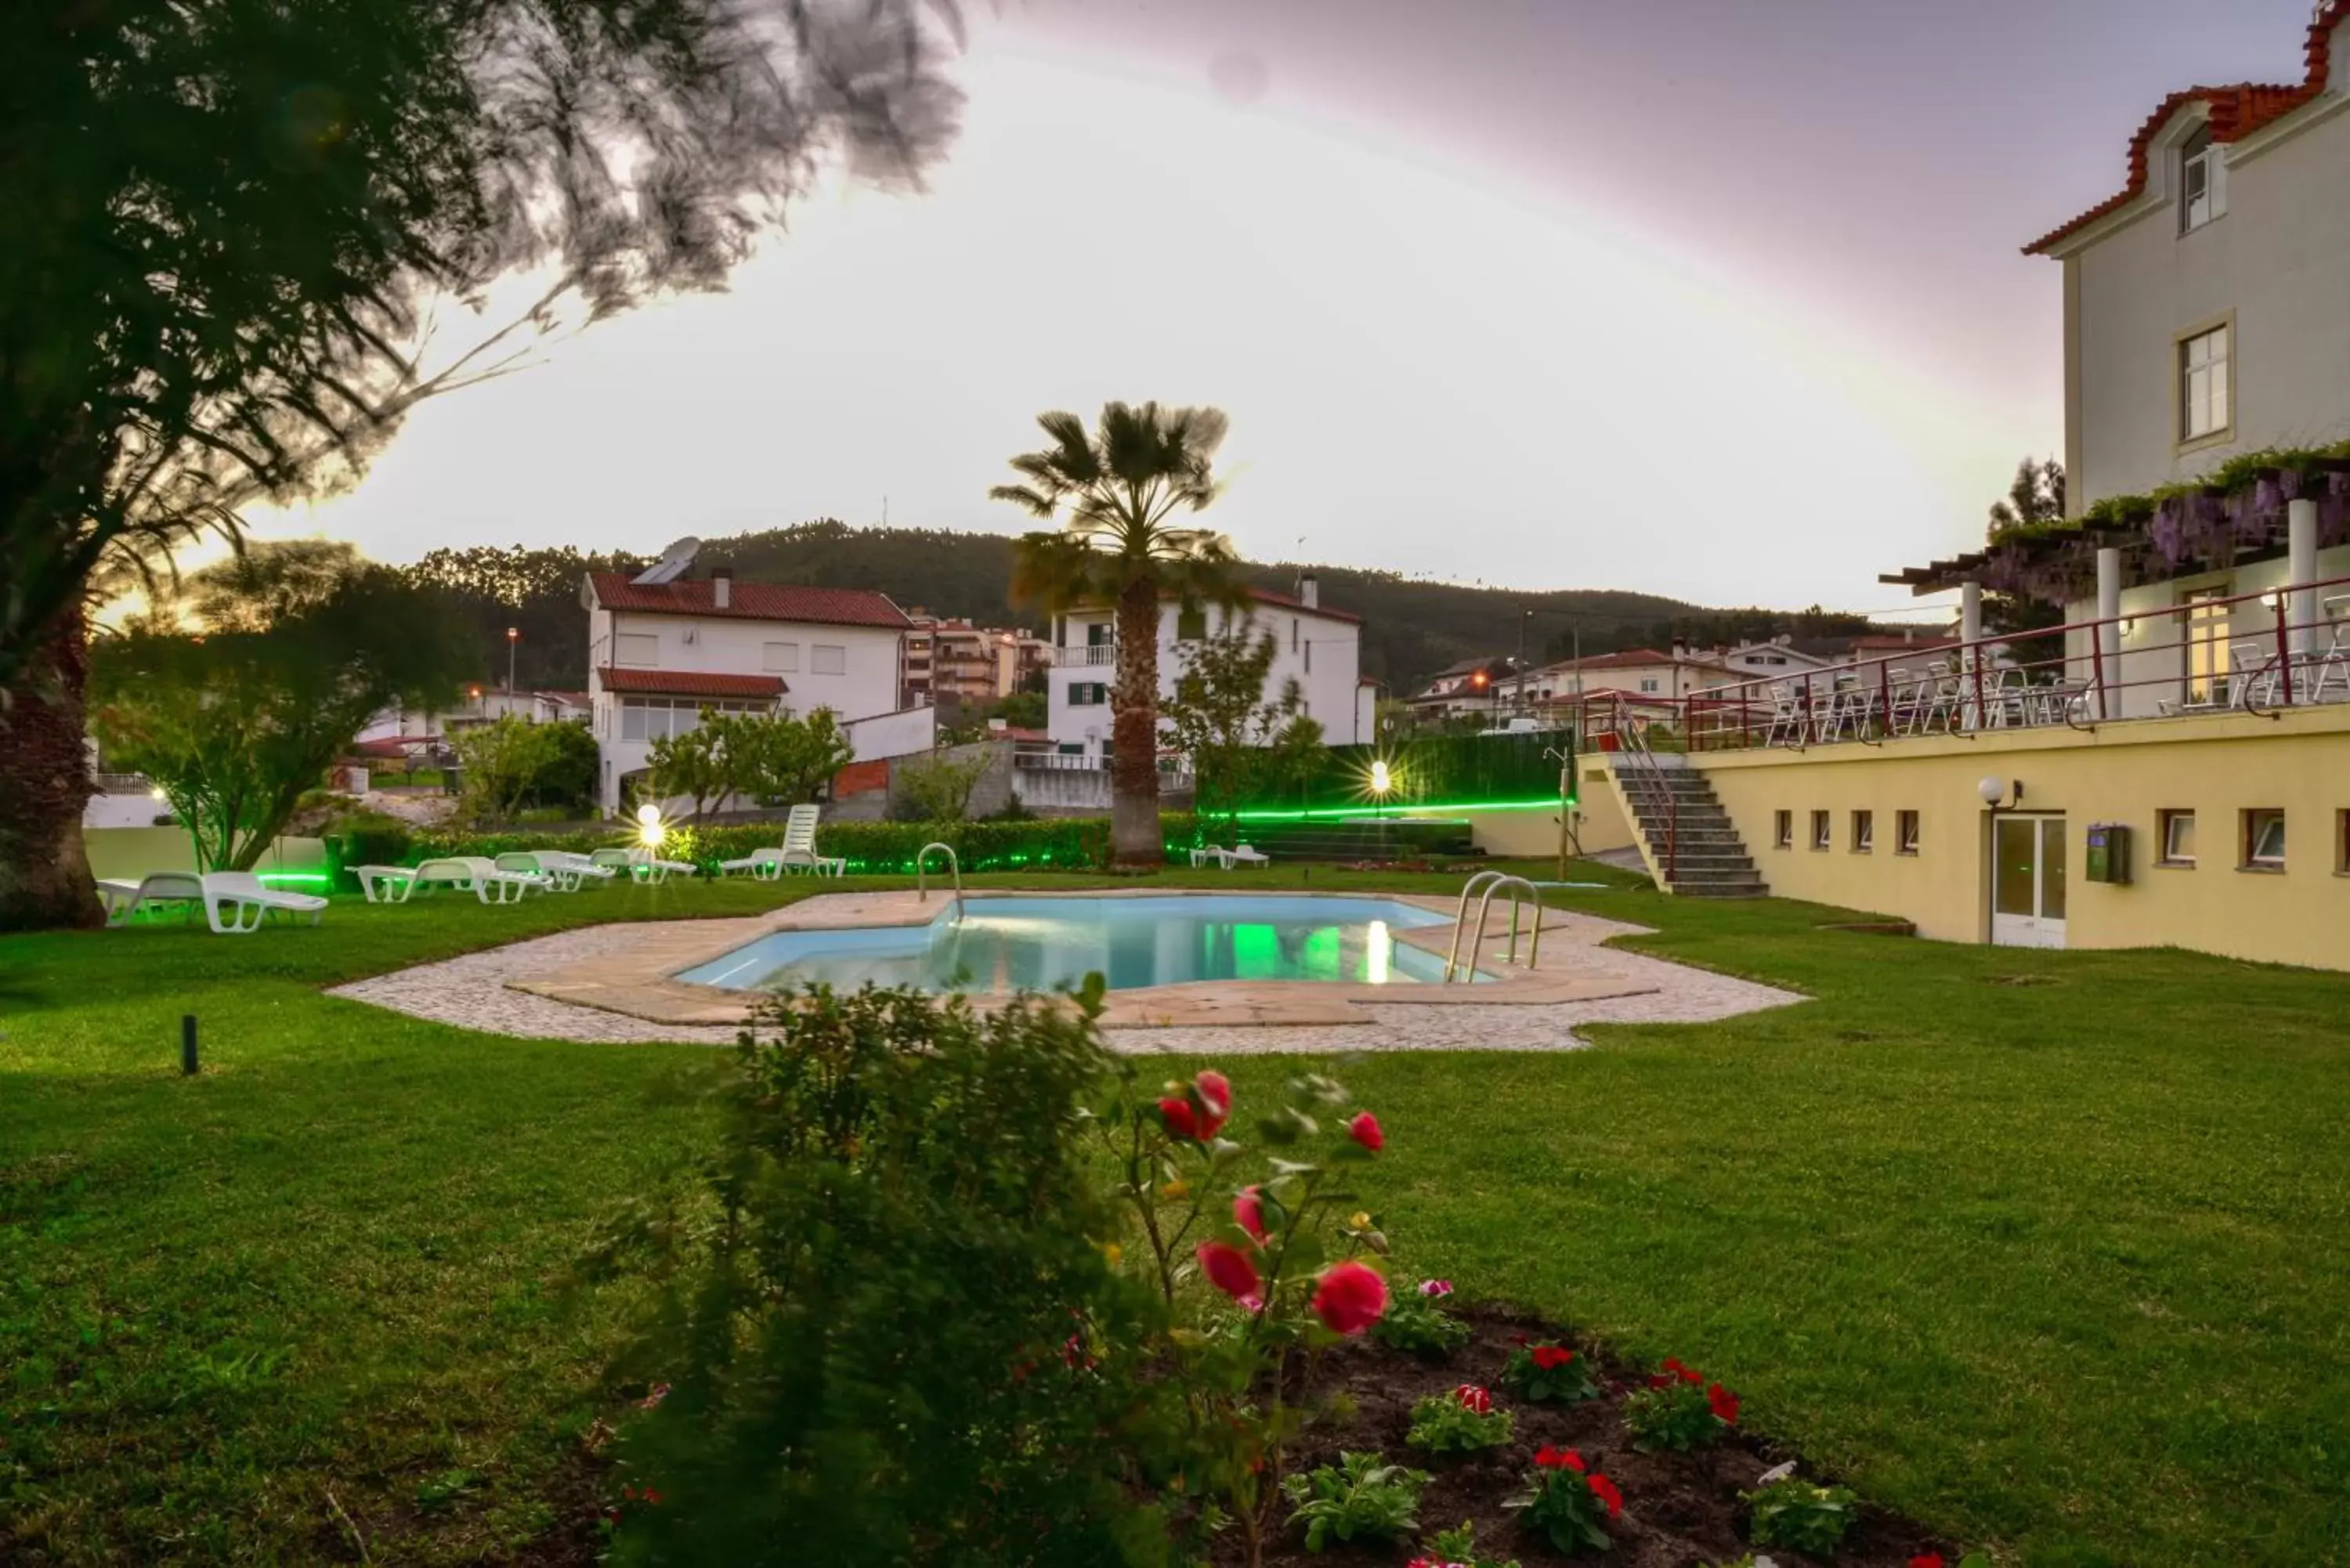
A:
{"points": [[1092, 653]]}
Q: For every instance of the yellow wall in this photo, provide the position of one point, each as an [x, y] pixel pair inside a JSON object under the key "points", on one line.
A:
{"points": [[2124, 773], [1533, 835]]}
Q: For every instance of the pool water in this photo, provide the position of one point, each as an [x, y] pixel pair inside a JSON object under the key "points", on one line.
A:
{"points": [[1037, 944]]}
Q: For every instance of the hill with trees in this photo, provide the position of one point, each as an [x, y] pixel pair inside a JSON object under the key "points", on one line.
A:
{"points": [[1411, 627]]}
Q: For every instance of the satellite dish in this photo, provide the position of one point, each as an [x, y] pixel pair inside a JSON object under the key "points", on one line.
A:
{"points": [[675, 562]]}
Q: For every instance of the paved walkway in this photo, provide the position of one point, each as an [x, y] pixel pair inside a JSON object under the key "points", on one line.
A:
{"points": [[472, 992]]}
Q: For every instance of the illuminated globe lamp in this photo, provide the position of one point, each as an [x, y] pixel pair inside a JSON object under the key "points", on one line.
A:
{"points": [[1382, 783], [650, 828]]}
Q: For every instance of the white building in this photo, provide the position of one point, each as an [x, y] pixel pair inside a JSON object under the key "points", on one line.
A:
{"points": [[1318, 648], [2207, 315], [660, 652]]}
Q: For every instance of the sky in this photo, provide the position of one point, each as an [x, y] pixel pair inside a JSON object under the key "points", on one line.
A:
{"points": [[1721, 299]]}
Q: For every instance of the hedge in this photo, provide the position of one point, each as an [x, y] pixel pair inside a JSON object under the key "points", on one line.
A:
{"points": [[1058, 844]]}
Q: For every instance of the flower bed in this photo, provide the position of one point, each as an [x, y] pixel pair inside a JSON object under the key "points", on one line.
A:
{"points": [[1680, 1509]]}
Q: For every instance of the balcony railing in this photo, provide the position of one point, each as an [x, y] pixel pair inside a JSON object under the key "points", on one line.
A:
{"points": [[2259, 653], [1091, 653]]}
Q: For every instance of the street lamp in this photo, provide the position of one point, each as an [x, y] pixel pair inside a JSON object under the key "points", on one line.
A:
{"points": [[514, 636], [650, 831], [1382, 781]]}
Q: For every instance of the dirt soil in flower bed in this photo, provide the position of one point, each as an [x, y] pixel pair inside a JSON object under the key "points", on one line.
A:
{"points": [[1681, 1511]]}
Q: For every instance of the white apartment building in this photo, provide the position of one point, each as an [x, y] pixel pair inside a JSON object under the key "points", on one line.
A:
{"points": [[660, 652], [1318, 648]]}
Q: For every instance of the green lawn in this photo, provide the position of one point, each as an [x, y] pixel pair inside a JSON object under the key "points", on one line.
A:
{"points": [[2049, 1249]]}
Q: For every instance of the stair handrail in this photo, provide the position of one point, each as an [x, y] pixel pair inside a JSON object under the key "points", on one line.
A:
{"points": [[954, 869], [1460, 920], [1533, 896], [1648, 775]]}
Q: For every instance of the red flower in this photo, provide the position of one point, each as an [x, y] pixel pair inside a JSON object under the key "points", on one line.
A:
{"points": [[1364, 1130], [1927, 1560], [1550, 1358], [1724, 1404], [1248, 1213], [1175, 1110], [1474, 1398], [1350, 1297], [1228, 1270], [1549, 1458], [1605, 1490], [1215, 1092]]}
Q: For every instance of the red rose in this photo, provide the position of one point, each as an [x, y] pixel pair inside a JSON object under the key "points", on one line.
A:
{"points": [[1215, 1092], [1176, 1112], [1228, 1270], [1605, 1490], [1248, 1213], [1474, 1398], [1364, 1130], [1550, 1358], [1724, 1404], [1350, 1297]]}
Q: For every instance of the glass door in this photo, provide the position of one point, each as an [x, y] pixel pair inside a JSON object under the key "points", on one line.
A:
{"points": [[2207, 648], [2027, 883]]}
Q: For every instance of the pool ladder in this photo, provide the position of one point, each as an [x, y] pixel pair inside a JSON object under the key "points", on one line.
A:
{"points": [[954, 869], [1492, 882]]}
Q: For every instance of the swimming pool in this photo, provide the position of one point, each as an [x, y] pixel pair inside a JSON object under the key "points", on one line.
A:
{"points": [[1036, 944]]}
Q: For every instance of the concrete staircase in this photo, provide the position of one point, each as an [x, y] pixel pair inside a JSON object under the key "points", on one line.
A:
{"points": [[1708, 861]]}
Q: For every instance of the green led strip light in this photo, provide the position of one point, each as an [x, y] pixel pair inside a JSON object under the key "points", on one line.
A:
{"points": [[322, 877], [1400, 812]]}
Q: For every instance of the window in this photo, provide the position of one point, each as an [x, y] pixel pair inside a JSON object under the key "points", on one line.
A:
{"points": [[1097, 635], [636, 649], [2264, 839], [2203, 408], [1648, 683], [827, 658], [1309, 657], [1822, 832], [2199, 197], [658, 718], [1904, 832], [1864, 831], [784, 657], [1783, 830], [1191, 624], [1088, 693], [2206, 645], [1292, 634], [2175, 832]]}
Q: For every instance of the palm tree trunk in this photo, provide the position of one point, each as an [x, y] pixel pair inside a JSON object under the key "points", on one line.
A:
{"points": [[45, 782], [1134, 833]]}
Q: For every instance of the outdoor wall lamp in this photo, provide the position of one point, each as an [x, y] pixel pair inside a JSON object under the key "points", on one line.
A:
{"points": [[1993, 790]]}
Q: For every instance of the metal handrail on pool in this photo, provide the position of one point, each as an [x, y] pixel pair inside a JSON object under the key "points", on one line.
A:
{"points": [[1477, 944], [1460, 920], [954, 869]]}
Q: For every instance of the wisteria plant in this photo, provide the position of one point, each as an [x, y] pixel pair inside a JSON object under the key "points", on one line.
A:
{"points": [[1283, 1244]]}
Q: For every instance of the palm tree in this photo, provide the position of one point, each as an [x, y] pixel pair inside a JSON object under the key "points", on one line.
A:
{"points": [[1112, 495]]}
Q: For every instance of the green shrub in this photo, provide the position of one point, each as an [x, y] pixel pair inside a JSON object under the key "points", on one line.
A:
{"points": [[889, 1330], [365, 839], [1679, 1411], [1461, 1422], [1801, 1516], [1361, 1500], [1458, 1546], [1549, 1373], [1415, 1324]]}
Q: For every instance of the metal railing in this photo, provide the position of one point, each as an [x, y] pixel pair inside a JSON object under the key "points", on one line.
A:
{"points": [[1090, 653], [954, 869], [2258, 653], [1492, 882], [1646, 776]]}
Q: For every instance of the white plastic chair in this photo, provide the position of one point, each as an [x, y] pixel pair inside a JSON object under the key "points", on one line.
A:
{"points": [[124, 900], [764, 865], [237, 903], [799, 850]]}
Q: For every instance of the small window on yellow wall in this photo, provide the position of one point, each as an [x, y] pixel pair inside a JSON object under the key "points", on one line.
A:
{"points": [[1820, 831], [2177, 836], [2341, 842], [1783, 829], [1864, 831], [2264, 839], [1904, 832]]}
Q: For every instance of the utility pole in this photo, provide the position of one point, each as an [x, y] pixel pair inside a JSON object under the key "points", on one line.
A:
{"points": [[1523, 615]]}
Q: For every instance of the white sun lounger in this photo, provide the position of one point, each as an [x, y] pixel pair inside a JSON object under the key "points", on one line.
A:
{"points": [[476, 874], [564, 873], [124, 900], [385, 884], [642, 864], [572, 861], [766, 865], [238, 902], [1241, 854]]}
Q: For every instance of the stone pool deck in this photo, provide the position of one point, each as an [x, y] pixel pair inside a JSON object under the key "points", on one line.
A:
{"points": [[614, 983]]}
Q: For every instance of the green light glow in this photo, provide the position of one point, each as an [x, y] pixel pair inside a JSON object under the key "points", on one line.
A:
{"points": [[1401, 813], [319, 878]]}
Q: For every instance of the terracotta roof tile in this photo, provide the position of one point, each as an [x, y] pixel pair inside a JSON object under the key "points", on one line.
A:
{"points": [[750, 601], [2236, 112], [690, 683]]}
